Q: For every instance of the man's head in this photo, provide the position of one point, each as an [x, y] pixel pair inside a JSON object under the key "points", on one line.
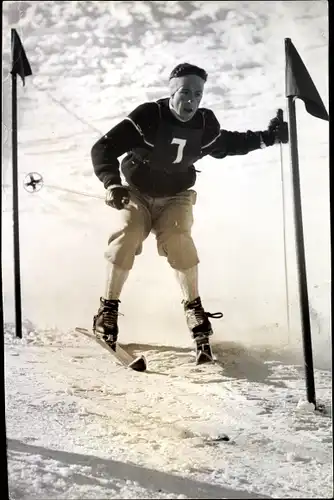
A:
{"points": [[186, 85]]}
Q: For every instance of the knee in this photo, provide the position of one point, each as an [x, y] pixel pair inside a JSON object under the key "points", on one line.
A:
{"points": [[179, 249], [124, 245], [129, 234]]}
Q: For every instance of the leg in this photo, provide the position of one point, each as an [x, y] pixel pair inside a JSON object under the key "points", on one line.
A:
{"points": [[116, 278], [173, 232], [188, 281], [132, 226], [172, 228]]}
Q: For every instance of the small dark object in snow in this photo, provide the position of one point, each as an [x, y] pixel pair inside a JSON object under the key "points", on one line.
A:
{"points": [[321, 408], [222, 437]]}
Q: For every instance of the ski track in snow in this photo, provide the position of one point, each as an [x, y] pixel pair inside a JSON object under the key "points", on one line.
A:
{"points": [[79, 425], [170, 419]]}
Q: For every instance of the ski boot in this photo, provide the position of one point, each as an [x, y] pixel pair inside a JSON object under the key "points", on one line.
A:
{"points": [[200, 328], [105, 322]]}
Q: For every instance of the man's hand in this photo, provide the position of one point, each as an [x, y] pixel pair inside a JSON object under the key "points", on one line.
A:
{"points": [[117, 197], [278, 129]]}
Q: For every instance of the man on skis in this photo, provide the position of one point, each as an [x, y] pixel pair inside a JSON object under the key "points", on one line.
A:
{"points": [[163, 140]]}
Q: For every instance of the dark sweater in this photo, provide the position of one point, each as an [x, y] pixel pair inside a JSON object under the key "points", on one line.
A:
{"points": [[136, 134]]}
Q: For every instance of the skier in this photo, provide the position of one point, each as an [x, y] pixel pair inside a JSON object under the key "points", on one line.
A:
{"points": [[163, 140]]}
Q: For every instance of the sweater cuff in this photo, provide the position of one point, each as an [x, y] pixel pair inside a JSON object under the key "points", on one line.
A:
{"points": [[266, 139], [112, 186], [112, 181]]}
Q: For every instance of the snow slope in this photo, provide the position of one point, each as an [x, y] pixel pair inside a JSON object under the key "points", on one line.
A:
{"points": [[79, 425], [71, 411]]}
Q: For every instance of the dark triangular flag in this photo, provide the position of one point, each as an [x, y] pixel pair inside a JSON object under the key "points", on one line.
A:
{"points": [[298, 83], [20, 63]]}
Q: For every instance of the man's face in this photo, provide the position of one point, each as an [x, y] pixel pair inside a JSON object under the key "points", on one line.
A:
{"points": [[186, 99]]}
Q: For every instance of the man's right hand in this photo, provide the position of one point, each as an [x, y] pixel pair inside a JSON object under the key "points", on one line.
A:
{"points": [[117, 197]]}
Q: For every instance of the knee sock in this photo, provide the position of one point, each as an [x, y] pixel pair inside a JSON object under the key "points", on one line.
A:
{"points": [[116, 277], [188, 281]]}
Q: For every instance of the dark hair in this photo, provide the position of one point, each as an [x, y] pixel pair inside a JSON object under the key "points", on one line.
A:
{"points": [[185, 69]]}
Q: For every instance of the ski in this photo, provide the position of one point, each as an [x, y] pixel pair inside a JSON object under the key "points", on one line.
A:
{"points": [[120, 354], [203, 352]]}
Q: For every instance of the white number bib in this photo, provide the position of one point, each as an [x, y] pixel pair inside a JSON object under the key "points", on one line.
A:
{"points": [[180, 143]]}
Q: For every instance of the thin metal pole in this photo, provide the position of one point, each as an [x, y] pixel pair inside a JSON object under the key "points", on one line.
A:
{"points": [[284, 243]]}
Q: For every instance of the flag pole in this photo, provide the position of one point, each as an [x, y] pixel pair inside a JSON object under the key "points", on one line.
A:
{"points": [[16, 228], [4, 481], [300, 251], [299, 85]]}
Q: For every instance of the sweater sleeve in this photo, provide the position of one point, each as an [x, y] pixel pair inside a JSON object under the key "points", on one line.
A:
{"points": [[236, 143], [239, 143], [122, 138]]}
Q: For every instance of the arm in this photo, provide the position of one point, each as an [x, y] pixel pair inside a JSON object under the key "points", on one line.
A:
{"points": [[109, 148], [238, 143], [126, 135], [241, 143]]}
